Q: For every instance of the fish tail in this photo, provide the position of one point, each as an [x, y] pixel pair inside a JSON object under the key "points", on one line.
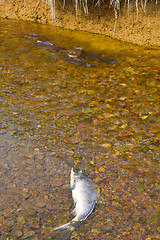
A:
{"points": [[67, 226]]}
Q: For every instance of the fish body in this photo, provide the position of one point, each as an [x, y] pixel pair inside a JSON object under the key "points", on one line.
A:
{"points": [[84, 196], [48, 46], [73, 53]]}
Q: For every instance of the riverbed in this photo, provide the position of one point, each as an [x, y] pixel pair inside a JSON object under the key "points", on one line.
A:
{"points": [[55, 115]]}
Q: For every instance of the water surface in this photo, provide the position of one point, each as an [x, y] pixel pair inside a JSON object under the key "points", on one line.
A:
{"points": [[55, 115]]}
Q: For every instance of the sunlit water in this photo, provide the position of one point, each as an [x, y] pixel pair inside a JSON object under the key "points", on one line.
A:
{"points": [[55, 115]]}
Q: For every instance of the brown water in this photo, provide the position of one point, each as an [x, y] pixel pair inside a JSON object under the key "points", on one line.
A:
{"points": [[103, 118]]}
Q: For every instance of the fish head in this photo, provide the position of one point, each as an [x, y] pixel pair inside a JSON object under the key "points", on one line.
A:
{"points": [[75, 176]]}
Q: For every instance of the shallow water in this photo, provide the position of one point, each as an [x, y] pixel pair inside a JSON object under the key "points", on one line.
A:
{"points": [[55, 115]]}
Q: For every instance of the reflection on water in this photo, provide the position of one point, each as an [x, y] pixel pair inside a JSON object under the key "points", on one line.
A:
{"points": [[102, 118]]}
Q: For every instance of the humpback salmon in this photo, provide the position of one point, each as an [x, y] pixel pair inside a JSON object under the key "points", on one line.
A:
{"points": [[84, 196]]}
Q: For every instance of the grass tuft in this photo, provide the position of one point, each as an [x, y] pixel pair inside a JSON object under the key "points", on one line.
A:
{"points": [[85, 5]]}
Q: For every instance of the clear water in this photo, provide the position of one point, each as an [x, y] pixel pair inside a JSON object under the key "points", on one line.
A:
{"points": [[55, 115]]}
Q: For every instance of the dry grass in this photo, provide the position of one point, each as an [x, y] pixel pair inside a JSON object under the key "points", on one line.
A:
{"points": [[86, 4]]}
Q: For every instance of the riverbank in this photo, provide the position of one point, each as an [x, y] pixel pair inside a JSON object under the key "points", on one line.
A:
{"points": [[142, 29]]}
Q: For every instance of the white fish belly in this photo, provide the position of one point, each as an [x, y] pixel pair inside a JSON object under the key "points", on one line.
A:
{"points": [[85, 198]]}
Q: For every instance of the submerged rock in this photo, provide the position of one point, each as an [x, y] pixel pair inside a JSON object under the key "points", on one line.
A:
{"points": [[17, 233], [28, 234]]}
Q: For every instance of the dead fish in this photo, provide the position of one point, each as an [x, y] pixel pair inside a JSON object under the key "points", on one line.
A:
{"points": [[84, 196]]}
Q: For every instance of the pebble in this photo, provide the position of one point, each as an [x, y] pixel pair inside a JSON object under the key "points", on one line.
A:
{"points": [[57, 183], [41, 203], [28, 234], [17, 233], [27, 205], [10, 223], [106, 145], [94, 231], [34, 223], [108, 227], [102, 169], [158, 229], [21, 220], [157, 187]]}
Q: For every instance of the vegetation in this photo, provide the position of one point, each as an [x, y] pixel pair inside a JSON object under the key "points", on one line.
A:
{"points": [[85, 5]]}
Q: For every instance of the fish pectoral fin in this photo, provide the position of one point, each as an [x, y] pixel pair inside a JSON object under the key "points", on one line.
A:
{"points": [[98, 191], [101, 200], [72, 184], [73, 212], [72, 187]]}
